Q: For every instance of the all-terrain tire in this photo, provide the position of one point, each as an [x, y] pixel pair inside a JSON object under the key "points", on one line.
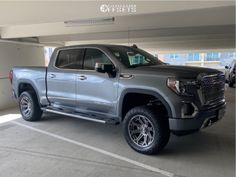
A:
{"points": [[160, 130], [29, 106]]}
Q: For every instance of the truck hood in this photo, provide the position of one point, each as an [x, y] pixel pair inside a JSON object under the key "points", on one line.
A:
{"points": [[175, 70]]}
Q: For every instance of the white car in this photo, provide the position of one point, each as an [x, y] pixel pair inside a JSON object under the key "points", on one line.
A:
{"points": [[230, 73]]}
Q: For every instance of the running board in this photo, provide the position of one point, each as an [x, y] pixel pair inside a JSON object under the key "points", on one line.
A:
{"points": [[74, 115]]}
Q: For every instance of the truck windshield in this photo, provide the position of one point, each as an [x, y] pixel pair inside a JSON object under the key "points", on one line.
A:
{"points": [[133, 57]]}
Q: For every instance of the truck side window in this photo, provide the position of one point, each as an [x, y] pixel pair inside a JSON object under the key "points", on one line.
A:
{"points": [[93, 56], [69, 59]]}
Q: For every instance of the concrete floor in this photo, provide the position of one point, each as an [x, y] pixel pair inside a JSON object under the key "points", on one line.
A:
{"points": [[28, 153]]}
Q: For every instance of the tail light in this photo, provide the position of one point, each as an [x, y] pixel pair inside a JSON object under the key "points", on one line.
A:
{"points": [[11, 75]]}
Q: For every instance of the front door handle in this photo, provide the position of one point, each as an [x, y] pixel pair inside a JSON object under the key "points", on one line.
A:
{"points": [[82, 77], [52, 75]]}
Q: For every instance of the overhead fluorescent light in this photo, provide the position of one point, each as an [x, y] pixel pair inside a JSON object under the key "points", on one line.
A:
{"points": [[90, 21]]}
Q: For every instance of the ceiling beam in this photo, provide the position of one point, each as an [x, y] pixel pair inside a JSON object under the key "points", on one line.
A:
{"points": [[165, 33], [189, 18]]}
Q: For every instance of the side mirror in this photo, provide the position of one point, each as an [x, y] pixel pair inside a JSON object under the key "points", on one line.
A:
{"points": [[105, 68], [226, 67]]}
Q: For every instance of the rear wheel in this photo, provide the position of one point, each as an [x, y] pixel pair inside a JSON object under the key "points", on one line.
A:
{"points": [[29, 106], [146, 131]]}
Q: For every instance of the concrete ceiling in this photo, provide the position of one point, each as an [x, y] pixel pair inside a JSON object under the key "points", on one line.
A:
{"points": [[156, 25]]}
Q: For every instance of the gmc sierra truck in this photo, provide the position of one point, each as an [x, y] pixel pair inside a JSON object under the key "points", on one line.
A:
{"points": [[120, 84]]}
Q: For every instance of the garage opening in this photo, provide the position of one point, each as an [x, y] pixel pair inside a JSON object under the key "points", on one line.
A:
{"points": [[210, 59]]}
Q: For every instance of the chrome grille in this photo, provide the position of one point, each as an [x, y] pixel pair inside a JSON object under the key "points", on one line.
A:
{"points": [[212, 88]]}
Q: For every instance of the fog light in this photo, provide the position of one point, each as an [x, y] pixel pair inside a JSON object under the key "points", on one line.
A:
{"points": [[189, 110]]}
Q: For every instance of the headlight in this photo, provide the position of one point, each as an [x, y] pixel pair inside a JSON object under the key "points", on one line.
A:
{"points": [[180, 86]]}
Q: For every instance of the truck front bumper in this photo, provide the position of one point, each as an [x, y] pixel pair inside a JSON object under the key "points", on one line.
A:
{"points": [[204, 118]]}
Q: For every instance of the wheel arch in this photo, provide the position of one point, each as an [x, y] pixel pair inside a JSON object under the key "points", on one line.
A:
{"points": [[27, 86], [145, 92]]}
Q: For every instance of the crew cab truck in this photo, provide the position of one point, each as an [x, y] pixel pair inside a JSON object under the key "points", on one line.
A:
{"points": [[120, 84]]}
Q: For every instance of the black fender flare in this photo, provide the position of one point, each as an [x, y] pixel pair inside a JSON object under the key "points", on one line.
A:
{"points": [[32, 85], [142, 91]]}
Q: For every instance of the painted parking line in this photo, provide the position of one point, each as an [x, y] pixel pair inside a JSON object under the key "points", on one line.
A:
{"points": [[116, 156]]}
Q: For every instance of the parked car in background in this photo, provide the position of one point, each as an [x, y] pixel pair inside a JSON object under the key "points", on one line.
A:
{"points": [[230, 73]]}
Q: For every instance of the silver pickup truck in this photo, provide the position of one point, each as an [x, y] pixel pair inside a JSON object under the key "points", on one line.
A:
{"points": [[120, 84]]}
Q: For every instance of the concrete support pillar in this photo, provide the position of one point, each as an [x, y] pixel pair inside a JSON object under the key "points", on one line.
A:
{"points": [[16, 54], [202, 58]]}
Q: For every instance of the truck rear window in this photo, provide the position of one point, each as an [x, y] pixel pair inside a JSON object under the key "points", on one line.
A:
{"points": [[69, 59]]}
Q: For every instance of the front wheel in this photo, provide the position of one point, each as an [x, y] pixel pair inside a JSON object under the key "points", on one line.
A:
{"points": [[145, 131], [29, 106]]}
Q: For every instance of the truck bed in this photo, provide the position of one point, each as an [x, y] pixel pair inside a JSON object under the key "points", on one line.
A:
{"points": [[35, 76]]}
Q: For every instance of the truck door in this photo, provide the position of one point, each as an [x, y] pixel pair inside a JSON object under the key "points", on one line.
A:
{"points": [[96, 92], [61, 78]]}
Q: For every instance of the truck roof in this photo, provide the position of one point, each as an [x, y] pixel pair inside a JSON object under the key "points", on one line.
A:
{"points": [[93, 45]]}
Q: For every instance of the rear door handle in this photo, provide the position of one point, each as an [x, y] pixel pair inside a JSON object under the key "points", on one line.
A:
{"points": [[82, 77], [52, 75]]}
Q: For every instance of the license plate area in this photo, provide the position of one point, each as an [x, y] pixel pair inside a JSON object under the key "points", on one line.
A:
{"points": [[209, 121]]}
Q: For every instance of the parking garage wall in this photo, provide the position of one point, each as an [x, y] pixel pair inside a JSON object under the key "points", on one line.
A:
{"points": [[16, 54]]}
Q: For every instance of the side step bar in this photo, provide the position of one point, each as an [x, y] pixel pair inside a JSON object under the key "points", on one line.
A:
{"points": [[74, 115]]}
